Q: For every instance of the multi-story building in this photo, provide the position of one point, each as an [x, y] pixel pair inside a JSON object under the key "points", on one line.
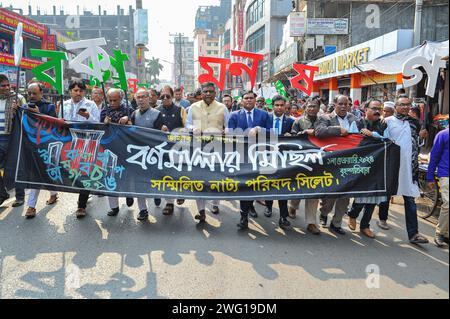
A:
{"points": [[183, 69], [117, 29]]}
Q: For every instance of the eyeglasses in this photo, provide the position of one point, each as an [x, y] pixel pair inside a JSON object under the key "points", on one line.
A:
{"points": [[165, 97]]}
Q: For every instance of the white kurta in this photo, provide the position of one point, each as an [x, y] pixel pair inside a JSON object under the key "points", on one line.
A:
{"points": [[400, 132]]}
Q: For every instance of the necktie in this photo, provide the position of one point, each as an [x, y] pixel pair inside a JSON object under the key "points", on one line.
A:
{"points": [[249, 120], [277, 125]]}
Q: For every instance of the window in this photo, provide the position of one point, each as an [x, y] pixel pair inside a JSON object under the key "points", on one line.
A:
{"points": [[256, 41], [254, 13]]}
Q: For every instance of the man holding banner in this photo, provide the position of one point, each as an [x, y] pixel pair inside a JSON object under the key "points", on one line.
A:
{"points": [[8, 106], [80, 109]]}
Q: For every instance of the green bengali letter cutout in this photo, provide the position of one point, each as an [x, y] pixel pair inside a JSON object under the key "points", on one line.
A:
{"points": [[55, 62]]}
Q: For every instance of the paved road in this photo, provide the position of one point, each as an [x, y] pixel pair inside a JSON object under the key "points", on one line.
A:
{"points": [[57, 256]]}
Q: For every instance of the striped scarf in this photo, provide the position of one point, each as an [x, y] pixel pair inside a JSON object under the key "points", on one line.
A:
{"points": [[9, 112]]}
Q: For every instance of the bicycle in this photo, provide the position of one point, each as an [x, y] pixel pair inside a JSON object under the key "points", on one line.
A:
{"points": [[430, 200]]}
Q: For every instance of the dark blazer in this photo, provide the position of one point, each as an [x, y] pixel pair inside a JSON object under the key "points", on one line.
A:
{"points": [[329, 126], [287, 124], [238, 119], [46, 108]]}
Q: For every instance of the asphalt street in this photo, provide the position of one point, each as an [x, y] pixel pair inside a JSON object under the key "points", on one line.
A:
{"points": [[57, 256]]}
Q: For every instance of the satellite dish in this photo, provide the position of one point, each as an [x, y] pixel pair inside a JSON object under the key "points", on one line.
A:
{"points": [[18, 44]]}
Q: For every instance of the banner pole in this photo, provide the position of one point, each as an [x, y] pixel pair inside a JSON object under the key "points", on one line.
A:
{"points": [[104, 94]]}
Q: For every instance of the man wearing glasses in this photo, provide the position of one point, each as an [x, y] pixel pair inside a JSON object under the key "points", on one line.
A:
{"points": [[173, 117], [339, 123], [207, 116], [8, 106], [405, 132]]}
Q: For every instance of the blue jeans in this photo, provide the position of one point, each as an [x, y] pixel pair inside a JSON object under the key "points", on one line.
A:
{"points": [[412, 225], [20, 192]]}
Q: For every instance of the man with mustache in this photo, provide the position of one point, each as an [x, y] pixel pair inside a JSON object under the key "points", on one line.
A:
{"points": [[373, 127]]}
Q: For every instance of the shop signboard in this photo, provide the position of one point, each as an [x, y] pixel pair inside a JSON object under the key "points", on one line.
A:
{"points": [[297, 24], [9, 21], [286, 58], [328, 26], [141, 27]]}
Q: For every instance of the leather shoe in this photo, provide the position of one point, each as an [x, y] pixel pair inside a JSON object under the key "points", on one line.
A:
{"points": [[143, 215], [352, 223], [130, 202], [283, 222], [31, 213], [313, 229], [18, 203], [52, 200], [243, 224], [323, 220], [252, 212], [367, 232], [215, 210], [201, 216], [80, 213], [268, 212], [113, 212], [292, 212], [157, 202], [418, 239], [337, 230]]}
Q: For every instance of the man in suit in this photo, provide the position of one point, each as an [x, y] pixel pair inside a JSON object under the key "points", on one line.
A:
{"points": [[339, 123], [281, 125], [252, 121]]}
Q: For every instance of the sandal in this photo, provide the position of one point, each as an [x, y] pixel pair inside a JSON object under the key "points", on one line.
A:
{"points": [[52, 200], [180, 201], [168, 210]]}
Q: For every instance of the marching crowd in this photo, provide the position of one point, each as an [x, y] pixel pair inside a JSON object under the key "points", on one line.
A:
{"points": [[200, 112]]}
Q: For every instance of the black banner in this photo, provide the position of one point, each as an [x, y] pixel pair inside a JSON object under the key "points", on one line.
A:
{"points": [[130, 161]]}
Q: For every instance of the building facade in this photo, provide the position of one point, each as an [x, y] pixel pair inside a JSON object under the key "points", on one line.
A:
{"points": [[183, 69]]}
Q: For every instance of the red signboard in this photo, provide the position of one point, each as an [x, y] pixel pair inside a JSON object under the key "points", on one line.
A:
{"points": [[8, 59], [49, 42], [9, 20]]}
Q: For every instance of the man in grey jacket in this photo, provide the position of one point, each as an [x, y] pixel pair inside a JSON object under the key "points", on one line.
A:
{"points": [[339, 123]]}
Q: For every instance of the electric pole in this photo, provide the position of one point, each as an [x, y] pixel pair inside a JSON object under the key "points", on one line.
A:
{"points": [[178, 41]]}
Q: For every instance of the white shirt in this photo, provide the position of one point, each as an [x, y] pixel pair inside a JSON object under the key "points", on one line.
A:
{"points": [[343, 122], [71, 111], [400, 132], [280, 129]]}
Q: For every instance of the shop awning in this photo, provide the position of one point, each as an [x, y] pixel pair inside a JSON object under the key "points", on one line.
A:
{"points": [[393, 63]]}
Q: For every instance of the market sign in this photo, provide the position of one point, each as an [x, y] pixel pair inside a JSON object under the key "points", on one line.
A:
{"points": [[327, 26], [379, 78], [286, 58], [9, 21], [8, 59], [344, 61]]}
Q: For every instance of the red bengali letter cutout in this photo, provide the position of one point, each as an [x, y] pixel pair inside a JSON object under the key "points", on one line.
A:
{"points": [[237, 68], [309, 79], [209, 77], [133, 85]]}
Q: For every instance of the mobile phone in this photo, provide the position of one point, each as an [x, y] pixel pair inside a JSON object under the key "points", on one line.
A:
{"points": [[82, 110], [32, 105]]}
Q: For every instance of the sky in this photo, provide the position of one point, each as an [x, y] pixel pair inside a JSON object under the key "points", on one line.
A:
{"points": [[165, 17]]}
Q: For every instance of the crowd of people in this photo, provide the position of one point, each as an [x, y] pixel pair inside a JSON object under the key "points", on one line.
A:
{"points": [[201, 111]]}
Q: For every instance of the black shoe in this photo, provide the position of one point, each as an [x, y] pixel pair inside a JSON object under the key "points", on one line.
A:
{"points": [[18, 203], [113, 212], [446, 240], [323, 220], [3, 198], [253, 212], [143, 215], [268, 212], [215, 210], [201, 216], [243, 224], [157, 202], [337, 230], [283, 222], [130, 202]]}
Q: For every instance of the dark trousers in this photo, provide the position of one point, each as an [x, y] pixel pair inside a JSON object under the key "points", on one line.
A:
{"points": [[283, 204], [412, 225], [384, 210], [368, 212], [20, 192], [82, 199], [245, 207]]}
